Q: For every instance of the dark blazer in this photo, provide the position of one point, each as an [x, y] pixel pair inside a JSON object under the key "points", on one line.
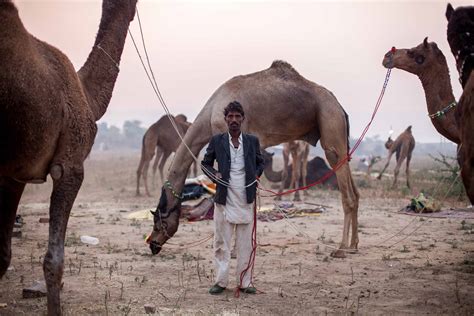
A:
{"points": [[218, 149]]}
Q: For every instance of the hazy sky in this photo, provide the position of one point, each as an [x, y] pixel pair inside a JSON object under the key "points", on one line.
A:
{"points": [[195, 46]]}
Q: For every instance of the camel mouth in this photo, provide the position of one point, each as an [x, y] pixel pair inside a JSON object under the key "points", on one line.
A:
{"points": [[388, 63], [155, 248]]}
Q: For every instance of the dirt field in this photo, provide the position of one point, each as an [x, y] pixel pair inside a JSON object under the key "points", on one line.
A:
{"points": [[428, 268]]}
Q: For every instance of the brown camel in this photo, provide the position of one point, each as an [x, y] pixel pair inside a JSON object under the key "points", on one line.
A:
{"points": [[403, 148], [269, 97], [47, 122], [299, 152], [162, 136], [461, 40], [429, 64]]}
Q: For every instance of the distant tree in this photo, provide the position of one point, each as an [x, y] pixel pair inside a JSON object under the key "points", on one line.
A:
{"points": [[133, 133]]}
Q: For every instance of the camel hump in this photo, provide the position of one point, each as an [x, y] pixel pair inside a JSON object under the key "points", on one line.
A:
{"points": [[284, 69], [408, 129]]}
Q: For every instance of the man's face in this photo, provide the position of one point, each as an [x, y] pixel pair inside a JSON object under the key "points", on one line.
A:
{"points": [[234, 121]]}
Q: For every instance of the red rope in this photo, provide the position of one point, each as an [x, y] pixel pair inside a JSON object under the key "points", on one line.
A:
{"points": [[251, 262], [349, 154]]}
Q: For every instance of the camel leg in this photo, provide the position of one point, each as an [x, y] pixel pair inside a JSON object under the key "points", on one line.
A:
{"points": [[139, 174], [396, 172], [284, 174], [295, 178], [408, 171], [304, 170], [159, 153], [161, 167], [10, 194], [145, 176], [65, 190], [350, 195], [467, 172], [386, 165]]}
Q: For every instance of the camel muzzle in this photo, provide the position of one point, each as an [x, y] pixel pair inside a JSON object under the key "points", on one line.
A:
{"points": [[155, 247]]}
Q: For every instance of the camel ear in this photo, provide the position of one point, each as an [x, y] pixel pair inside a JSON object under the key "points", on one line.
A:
{"points": [[425, 42], [449, 11]]}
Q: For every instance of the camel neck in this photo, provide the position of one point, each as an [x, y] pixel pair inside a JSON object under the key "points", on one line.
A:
{"points": [[99, 73], [439, 94], [12, 27], [196, 137]]}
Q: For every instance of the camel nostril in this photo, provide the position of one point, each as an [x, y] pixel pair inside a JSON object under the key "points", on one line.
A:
{"points": [[388, 54]]}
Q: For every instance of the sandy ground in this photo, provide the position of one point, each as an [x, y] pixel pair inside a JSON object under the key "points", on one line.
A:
{"points": [[428, 268]]}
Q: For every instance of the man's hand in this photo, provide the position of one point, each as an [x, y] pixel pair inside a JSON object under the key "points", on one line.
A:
{"points": [[218, 175]]}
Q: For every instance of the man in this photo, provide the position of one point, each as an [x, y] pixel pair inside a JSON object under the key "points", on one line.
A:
{"points": [[239, 164]]}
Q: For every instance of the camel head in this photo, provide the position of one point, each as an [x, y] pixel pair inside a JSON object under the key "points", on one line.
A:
{"points": [[415, 60], [166, 221], [181, 118], [267, 157], [389, 143], [461, 39], [270, 174]]}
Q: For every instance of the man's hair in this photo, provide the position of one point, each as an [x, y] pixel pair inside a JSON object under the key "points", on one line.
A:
{"points": [[234, 106]]}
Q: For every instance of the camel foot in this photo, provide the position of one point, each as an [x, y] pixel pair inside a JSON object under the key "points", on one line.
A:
{"points": [[338, 253], [297, 199], [278, 198]]}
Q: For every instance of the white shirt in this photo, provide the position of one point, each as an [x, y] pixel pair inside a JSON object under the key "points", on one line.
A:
{"points": [[237, 210]]}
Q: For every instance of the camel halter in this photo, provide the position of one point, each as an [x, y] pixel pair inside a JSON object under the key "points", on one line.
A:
{"points": [[110, 57], [442, 112]]}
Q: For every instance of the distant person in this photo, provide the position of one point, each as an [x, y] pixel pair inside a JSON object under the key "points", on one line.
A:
{"points": [[239, 164]]}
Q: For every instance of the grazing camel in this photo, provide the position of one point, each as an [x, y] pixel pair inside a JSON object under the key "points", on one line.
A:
{"points": [[299, 152], [48, 115], [461, 40], [163, 137], [316, 169], [269, 97], [429, 64], [403, 148], [270, 174]]}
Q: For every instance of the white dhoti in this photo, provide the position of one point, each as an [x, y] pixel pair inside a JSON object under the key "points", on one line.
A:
{"points": [[223, 231], [236, 215]]}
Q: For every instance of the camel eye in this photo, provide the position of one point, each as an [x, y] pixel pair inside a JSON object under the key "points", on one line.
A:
{"points": [[419, 59]]}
